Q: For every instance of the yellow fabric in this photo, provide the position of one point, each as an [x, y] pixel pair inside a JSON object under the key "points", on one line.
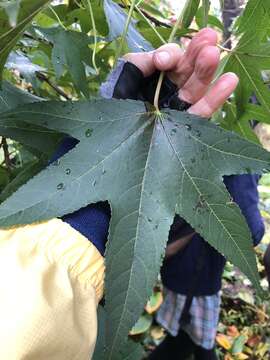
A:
{"points": [[51, 279]]}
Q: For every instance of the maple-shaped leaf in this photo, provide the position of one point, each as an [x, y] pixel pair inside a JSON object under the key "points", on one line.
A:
{"points": [[255, 17], [70, 52], [148, 168], [10, 31], [240, 125], [255, 112], [248, 59], [33, 137], [189, 12], [135, 41]]}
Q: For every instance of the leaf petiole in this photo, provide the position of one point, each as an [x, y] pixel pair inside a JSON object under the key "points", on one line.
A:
{"points": [[57, 18], [162, 74], [150, 25], [95, 36], [124, 34]]}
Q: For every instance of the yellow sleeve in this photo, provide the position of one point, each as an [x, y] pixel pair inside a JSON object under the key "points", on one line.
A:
{"points": [[51, 279]]}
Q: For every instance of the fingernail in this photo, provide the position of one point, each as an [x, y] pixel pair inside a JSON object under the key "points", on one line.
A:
{"points": [[163, 57], [232, 74]]}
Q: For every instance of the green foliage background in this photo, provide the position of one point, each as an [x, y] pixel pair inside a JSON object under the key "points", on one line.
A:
{"points": [[62, 51]]}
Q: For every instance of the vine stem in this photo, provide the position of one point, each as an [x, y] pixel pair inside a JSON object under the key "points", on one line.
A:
{"points": [[162, 74], [124, 34], [139, 2], [57, 18], [57, 89], [95, 36], [150, 24]]}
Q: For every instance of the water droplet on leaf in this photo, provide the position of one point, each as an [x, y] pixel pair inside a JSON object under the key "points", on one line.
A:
{"points": [[68, 171], [94, 182], [60, 186], [88, 132], [188, 127]]}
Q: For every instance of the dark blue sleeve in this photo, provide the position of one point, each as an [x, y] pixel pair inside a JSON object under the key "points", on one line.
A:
{"points": [[93, 220], [243, 189]]}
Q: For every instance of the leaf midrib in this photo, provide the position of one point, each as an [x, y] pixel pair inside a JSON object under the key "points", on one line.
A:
{"points": [[251, 81], [136, 238]]}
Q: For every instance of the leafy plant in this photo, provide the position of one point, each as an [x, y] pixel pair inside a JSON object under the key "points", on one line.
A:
{"points": [[148, 164]]}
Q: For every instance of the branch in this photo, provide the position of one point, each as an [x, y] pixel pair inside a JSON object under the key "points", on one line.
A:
{"points": [[154, 20], [56, 88], [7, 159], [150, 17], [38, 38]]}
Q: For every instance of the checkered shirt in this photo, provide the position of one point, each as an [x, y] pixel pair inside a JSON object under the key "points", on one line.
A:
{"points": [[204, 313]]}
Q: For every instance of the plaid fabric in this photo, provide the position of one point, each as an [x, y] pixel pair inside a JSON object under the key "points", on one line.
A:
{"points": [[204, 313]]}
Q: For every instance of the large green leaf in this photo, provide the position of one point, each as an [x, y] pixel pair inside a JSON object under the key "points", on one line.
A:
{"points": [[255, 112], [8, 34], [133, 351], [33, 136], [148, 169], [134, 39], [212, 20], [254, 18], [99, 353], [251, 55], [25, 174], [190, 9], [232, 122], [11, 97], [248, 60], [70, 52], [82, 15]]}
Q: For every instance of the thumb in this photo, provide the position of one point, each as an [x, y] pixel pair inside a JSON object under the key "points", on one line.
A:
{"points": [[164, 58], [143, 61]]}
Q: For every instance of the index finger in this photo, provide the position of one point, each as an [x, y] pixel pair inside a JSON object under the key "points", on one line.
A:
{"points": [[184, 69], [216, 96]]}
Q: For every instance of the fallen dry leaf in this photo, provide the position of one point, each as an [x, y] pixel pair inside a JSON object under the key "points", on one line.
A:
{"points": [[224, 341]]}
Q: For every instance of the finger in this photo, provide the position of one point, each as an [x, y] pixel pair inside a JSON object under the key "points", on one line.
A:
{"points": [[143, 61], [216, 96], [164, 58], [167, 57], [185, 67], [205, 68]]}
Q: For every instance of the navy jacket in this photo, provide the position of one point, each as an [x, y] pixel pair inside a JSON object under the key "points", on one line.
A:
{"points": [[178, 271]]}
